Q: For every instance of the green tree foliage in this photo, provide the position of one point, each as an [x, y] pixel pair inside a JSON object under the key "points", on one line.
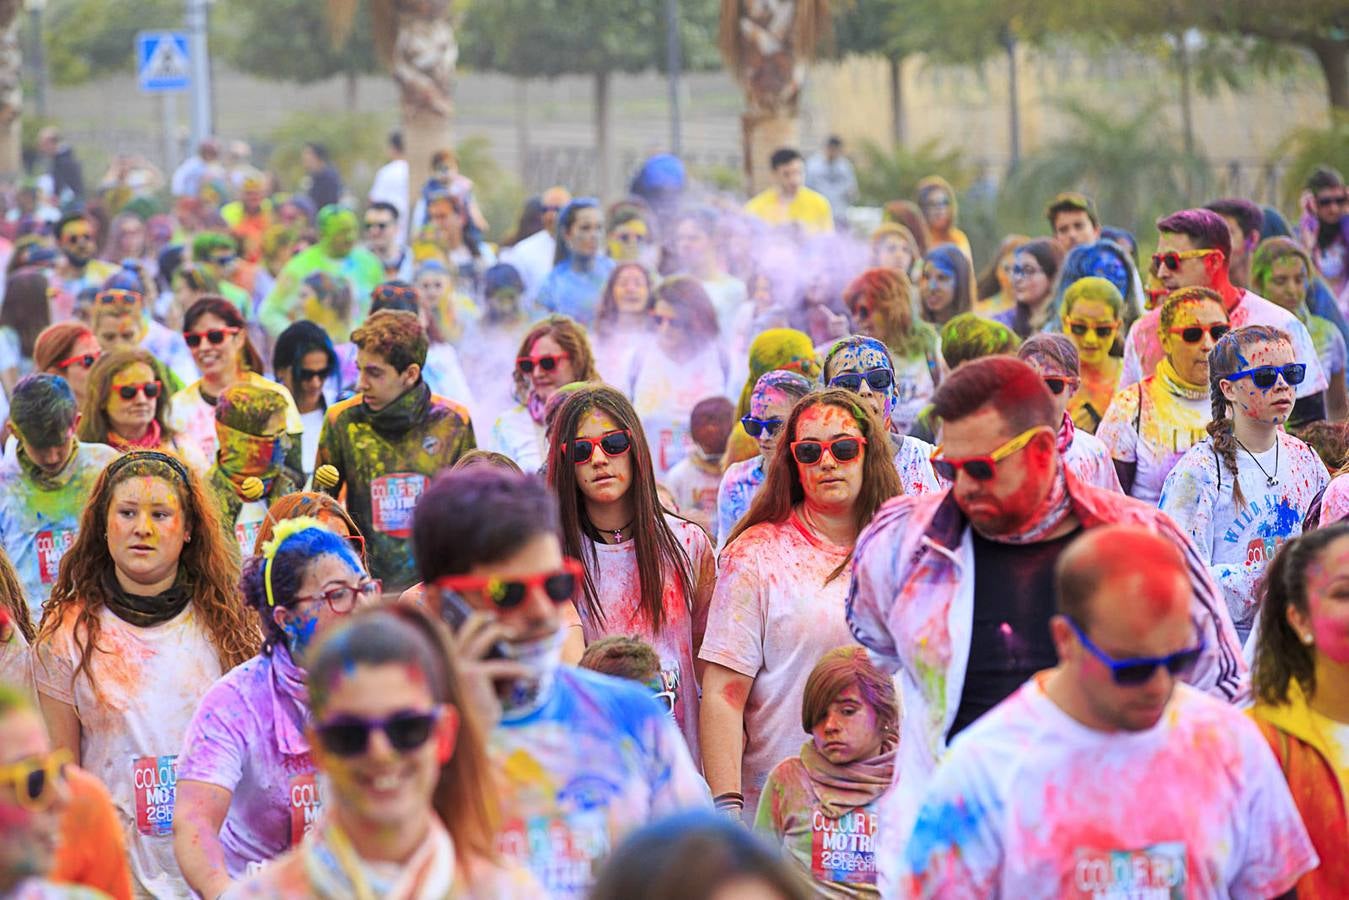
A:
{"points": [[884, 175], [288, 40], [1307, 148], [87, 38]]}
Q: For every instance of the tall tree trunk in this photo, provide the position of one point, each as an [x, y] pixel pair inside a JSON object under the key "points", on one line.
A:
{"points": [[1186, 93], [1013, 100], [11, 89], [762, 135], [1333, 56], [604, 172], [896, 67], [351, 83], [424, 54]]}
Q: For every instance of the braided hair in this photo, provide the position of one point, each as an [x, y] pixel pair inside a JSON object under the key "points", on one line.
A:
{"points": [[1227, 357]]}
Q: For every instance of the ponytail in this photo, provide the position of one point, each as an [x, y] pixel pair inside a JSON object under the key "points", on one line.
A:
{"points": [[1227, 357]]}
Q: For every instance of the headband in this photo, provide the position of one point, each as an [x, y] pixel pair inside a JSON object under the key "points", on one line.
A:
{"points": [[284, 531], [128, 458]]}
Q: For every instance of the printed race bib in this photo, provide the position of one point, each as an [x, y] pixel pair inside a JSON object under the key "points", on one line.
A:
{"points": [[51, 546], [562, 853], [246, 533], [154, 779], [305, 804], [843, 850], [392, 498], [1152, 873]]}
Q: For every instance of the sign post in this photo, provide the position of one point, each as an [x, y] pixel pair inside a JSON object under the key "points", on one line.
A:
{"points": [[163, 67]]}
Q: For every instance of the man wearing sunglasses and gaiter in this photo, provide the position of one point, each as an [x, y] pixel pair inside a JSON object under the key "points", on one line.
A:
{"points": [[385, 444], [954, 590], [1104, 776], [1194, 248], [580, 759]]}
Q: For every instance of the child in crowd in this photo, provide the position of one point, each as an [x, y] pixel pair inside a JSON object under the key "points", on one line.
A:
{"points": [[694, 479]]}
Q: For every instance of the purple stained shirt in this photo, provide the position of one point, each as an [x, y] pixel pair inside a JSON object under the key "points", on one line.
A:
{"points": [[248, 738]]}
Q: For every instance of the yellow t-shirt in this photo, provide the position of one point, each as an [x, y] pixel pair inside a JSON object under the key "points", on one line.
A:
{"points": [[808, 208]]}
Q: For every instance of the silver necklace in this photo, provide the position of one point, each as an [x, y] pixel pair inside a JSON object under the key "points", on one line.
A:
{"points": [[1270, 480]]}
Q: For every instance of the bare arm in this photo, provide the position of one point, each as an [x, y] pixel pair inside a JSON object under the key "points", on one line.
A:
{"points": [[722, 726], [199, 811], [1337, 402], [575, 644], [63, 723]]}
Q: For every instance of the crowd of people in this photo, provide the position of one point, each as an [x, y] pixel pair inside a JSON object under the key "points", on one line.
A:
{"points": [[682, 546]]}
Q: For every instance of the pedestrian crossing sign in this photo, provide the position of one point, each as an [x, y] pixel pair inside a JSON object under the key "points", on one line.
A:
{"points": [[162, 61]]}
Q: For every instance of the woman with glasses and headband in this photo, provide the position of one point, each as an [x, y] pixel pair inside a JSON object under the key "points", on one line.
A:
{"points": [[781, 586], [126, 408], [1300, 681], [143, 619], [683, 363], [67, 349], [553, 353], [246, 780], [863, 366], [774, 395], [216, 334], [850, 713], [1034, 265], [1282, 272], [120, 319], [408, 805], [880, 305], [647, 573], [1092, 310], [1150, 425], [580, 266], [1055, 358], [1243, 492]]}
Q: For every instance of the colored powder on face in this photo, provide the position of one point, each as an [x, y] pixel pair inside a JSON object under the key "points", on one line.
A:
{"points": [[299, 629]]}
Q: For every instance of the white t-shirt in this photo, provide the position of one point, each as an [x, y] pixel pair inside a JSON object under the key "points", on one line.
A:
{"points": [[309, 441], [914, 388], [445, 376], [248, 524], [391, 186], [664, 392], [150, 681], [773, 616], [1031, 803], [1241, 542], [1168, 425], [1087, 458], [533, 259], [913, 461], [515, 434], [1335, 501], [695, 491], [619, 589], [728, 295], [16, 666]]}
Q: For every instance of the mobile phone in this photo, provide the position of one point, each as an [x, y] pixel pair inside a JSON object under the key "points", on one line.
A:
{"points": [[454, 610]]}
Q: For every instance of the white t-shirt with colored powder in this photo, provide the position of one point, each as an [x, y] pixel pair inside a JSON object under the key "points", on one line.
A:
{"points": [[664, 392], [1089, 460], [694, 487], [618, 585], [1240, 542], [1151, 427], [150, 681], [1335, 502], [774, 614], [1031, 803]]}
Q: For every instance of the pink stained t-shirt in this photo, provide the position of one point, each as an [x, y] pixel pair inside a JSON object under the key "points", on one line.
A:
{"points": [[677, 642], [1031, 803], [774, 614], [248, 738]]}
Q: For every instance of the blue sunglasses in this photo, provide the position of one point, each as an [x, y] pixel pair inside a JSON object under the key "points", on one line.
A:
{"points": [[755, 427], [1138, 670], [1264, 377]]}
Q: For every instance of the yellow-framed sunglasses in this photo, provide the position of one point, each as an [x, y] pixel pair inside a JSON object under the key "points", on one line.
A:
{"points": [[983, 468], [37, 779]]}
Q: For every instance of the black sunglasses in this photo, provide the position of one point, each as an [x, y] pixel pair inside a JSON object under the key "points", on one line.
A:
{"points": [[1265, 377], [615, 443], [1081, 328], [876, 379], [809, 452], [216, 336], [311, 374], [755, 427], [151, 390], [1057, 384], [350, 735]]}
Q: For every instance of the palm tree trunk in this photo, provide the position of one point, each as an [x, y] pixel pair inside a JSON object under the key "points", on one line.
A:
{"points": [[896, 67], [11, 89], [762, 134], [602, 157]]}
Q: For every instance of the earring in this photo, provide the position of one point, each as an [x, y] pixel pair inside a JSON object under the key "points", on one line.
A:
{"points": [[1308, 639]]}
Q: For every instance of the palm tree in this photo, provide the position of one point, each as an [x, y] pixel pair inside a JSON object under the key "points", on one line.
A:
{"points": [[766, 45], [11, 88], [415, 40]]}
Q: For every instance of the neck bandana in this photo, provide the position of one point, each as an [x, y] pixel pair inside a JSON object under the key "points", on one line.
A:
{"points": [[1066, 431], [243, 455], [145, 612], [335, 869], [842, 789], [149, 441], [1179, 386], [400, 416]]}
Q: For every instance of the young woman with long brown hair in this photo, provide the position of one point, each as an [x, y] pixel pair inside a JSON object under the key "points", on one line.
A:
{"points": [[554, 353], [647, 573], [782, 583], [142, 620], [126, 407]]}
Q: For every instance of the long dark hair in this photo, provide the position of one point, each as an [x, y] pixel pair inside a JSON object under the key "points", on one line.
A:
{"points": [[1280, 655], [782, 490], [227, 312], [1224, 359], [659, 553], [26, 308]]}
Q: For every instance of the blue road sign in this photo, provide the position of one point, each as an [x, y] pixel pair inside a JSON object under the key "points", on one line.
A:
{"points": [[162, 61]]}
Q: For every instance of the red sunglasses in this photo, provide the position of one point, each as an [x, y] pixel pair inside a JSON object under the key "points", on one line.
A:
{"points": [[547, 362], [508, 593], [151, 390], [86, 360]]}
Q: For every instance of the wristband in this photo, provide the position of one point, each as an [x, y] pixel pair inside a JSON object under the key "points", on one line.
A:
{"points": [[729, 801]]}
